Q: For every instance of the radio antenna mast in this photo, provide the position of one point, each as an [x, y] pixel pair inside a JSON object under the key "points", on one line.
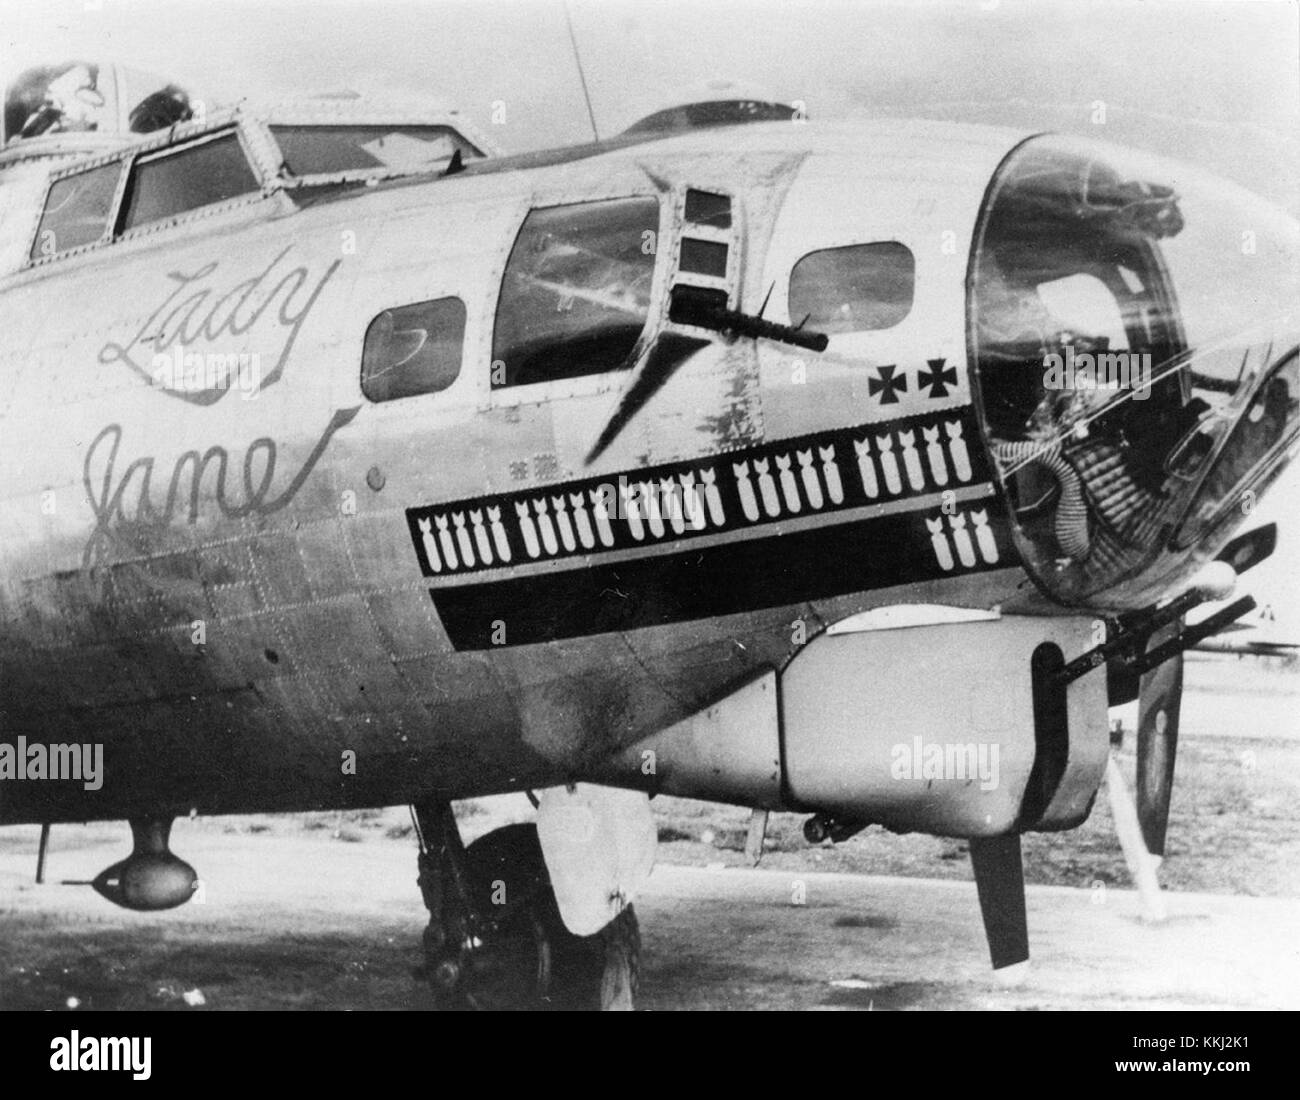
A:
{"points": [[577, 57]]}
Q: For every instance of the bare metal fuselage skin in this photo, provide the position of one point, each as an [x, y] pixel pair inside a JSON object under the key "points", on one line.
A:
{"points": [[231, 589]]}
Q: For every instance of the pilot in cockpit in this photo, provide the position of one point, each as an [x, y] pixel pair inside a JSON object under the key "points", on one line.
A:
{"points": [[72, 102]]}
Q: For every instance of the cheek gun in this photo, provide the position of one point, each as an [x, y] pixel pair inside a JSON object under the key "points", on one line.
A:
{"points": [[1128, 646]]}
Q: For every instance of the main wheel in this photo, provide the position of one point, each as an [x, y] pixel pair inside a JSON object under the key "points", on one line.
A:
{"points": [[522, 956]]}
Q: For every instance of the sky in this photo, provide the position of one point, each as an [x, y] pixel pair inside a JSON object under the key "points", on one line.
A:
{"points": [[1215, 82]]}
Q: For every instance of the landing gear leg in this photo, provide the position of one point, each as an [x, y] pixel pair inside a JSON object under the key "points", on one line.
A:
{"points": [[444, 884], [495, 938]]}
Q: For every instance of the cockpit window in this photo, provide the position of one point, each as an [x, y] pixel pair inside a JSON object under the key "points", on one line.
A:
{"points": [[78, 97], [51, 99], [413, 350], [77, 209], [318, 150], [860, 288], [165, 184], [1127, 320], [575, 297]]}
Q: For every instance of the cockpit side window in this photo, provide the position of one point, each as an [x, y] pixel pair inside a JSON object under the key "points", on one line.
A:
{"points": [[77, 210], [311, 150], [575, 297], [859, 288], [165, 184], [414, 349]]}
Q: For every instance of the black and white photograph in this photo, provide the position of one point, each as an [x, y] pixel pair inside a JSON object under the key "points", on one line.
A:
{"points": [[655, 505]]}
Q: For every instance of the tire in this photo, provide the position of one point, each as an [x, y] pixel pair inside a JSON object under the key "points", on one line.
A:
{"points": [[597, 973], [529, 959]]}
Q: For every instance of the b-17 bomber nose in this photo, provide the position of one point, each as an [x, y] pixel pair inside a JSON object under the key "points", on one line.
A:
{"points": [[1134, 328]]}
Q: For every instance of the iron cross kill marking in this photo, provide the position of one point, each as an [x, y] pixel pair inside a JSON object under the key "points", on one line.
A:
{"points": [[888, 384], [936, 378]]}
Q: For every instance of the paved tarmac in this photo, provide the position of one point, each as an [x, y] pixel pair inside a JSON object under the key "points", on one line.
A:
{"points": [[310, 922]]}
